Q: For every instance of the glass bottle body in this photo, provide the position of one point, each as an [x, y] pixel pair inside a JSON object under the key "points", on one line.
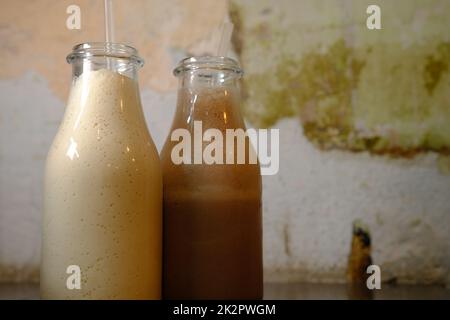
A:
{"points": [[212, 212], [103, 186]]}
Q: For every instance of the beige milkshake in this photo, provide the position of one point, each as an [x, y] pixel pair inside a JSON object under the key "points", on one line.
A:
{"points": [[103, 192]]}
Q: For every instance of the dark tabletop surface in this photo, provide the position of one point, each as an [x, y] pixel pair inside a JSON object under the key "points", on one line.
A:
{"points": [[287, 291]]}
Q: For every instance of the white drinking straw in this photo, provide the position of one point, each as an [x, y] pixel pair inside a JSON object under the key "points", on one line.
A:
{"points": [[109, 21], [225, 39]]}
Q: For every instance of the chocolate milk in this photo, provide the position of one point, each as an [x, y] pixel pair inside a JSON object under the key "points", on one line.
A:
{"points": [[212, 213]]}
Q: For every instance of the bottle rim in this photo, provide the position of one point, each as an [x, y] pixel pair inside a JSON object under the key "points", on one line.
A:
{"points": [[104, 49], [208, 62]]}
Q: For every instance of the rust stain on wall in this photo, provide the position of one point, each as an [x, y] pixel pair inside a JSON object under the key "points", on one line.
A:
{"points": [[360, 254]]}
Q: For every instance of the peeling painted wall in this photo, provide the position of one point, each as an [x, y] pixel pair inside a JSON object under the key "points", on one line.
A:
{"points": [[364, 121], [384, 94], [385, 91]]}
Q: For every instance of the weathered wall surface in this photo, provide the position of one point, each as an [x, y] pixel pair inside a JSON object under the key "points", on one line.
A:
{"points": [[364, 120], [339, 86]]}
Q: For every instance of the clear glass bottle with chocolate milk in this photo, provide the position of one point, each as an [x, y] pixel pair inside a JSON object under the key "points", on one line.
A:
{"points": [[211, 209], [102, 223]]}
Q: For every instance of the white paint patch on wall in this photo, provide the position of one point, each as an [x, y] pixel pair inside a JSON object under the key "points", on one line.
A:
{"points": [[29, 117], [159, 110], [310, 205]]}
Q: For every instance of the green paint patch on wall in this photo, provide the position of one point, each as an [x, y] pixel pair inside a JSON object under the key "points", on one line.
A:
{"points": [[382, 100], [435, 66], [381, 96]]}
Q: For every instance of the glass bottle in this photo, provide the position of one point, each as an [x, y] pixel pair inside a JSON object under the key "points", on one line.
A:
{"points": [[212, 210], [102, 223]]}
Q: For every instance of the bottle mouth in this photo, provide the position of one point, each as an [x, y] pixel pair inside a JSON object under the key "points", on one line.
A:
{"points": [[208, 62], [105, 49]]}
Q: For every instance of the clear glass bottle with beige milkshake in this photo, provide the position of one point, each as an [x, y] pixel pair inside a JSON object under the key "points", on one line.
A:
{"points": [[212, 210], [102, 223]]}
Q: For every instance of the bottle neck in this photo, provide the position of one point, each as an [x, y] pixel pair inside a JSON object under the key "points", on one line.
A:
{"points": [[116, 57], [208, 72], [120, 66], [209, 96], [104, 92], [208, 79]]}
